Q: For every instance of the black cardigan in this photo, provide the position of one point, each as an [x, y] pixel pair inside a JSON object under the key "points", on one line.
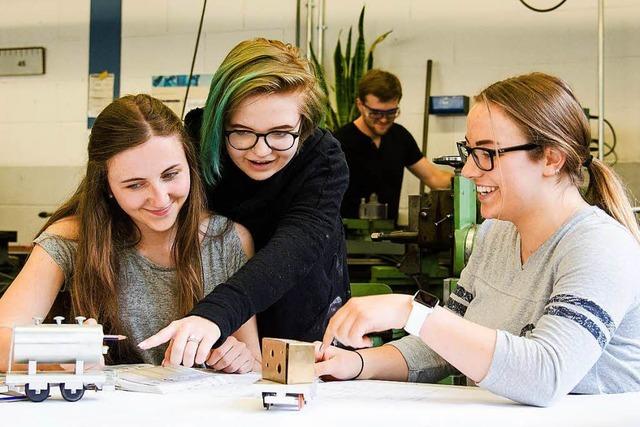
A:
{"points": [[298, 277]]}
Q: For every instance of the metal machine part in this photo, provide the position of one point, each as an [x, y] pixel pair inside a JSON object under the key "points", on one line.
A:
{"points": [[441, 231], [373, 209], [287, 373], [57, 343], [429, 222], [285, 396]]}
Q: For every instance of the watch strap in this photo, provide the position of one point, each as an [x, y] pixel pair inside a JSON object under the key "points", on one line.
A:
{"points": [[419, 313]]}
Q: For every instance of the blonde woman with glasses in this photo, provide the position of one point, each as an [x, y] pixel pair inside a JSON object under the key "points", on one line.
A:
{"points": [[549, 302]]}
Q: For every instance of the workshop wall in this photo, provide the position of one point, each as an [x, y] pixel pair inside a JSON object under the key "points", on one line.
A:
{"points": [[474, 43], [43, 119], [43, 131]]}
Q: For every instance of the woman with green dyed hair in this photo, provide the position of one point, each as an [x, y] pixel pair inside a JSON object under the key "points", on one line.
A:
{"points": [[268, 166]]}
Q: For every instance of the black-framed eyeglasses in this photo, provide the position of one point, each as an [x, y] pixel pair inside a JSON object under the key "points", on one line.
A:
{"points": [[277, 140], [483, 157], [375, 114]]}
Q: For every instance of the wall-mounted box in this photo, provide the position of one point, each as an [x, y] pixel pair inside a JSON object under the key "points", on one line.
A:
{"points": [[449, 105], [22, 61]]}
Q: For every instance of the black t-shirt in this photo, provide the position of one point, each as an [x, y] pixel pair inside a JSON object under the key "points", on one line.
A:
{"points": [[376, 170]]}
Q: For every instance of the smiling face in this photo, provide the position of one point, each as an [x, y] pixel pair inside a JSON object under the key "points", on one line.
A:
{"points": [[265, 113], [151, 182], [513, 188], [377, 127]]}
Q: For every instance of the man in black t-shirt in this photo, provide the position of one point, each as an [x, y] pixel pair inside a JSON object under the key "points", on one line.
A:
{"points": [[378, 150]]}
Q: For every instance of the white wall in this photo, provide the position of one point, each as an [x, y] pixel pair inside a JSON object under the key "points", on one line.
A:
{"points": [[43, 118], [473, 43]]}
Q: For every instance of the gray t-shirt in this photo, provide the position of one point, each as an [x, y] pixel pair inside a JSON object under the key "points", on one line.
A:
{"points": [[147, 292], [568, 320]]}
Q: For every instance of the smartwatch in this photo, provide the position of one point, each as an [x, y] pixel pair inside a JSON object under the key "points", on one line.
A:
{"points": [[421, 307]]}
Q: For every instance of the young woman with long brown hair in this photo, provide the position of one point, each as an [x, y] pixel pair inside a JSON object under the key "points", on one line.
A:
{"points": [[549, 302], [134, 248]]}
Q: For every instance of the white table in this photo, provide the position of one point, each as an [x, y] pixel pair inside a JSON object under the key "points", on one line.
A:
{"points": [[353, 403]]}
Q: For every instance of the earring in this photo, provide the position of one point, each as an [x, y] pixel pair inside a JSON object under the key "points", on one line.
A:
{"points": [[111, 195], [557, 172]]}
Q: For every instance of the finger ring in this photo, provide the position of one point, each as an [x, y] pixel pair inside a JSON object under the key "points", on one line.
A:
{"points": [[193, 339]]}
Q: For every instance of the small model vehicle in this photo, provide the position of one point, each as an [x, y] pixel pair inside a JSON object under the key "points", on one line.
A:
{"points": [[74, 344], [288, 379]]}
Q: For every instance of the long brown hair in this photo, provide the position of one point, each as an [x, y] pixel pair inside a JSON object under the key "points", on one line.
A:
{"points": [[546, 110], [104, 229]]}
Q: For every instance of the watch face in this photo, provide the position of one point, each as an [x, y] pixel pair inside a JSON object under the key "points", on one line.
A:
{"points": [[425, 298]]}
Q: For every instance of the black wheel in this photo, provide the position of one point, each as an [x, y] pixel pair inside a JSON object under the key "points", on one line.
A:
{"points": [[71, 395], [36, 395]]}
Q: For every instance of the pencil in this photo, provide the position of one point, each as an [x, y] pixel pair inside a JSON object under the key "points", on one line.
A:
{"points": [[114, 337]]}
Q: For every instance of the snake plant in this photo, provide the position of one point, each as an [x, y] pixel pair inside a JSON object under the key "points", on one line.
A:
{"points": [[348, 70]]}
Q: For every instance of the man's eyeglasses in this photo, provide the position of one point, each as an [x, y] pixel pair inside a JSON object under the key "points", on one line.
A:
{"points": [[277, 140], [483, 157], [374, 114]]}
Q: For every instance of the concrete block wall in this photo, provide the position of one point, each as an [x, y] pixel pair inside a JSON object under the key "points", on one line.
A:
{"points": [[43, 131]]}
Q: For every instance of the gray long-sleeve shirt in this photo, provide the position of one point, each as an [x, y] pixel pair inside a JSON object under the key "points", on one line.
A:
{"points": [[568, 320]]}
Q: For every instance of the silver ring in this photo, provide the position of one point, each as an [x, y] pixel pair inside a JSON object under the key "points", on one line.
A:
{"points": [[193, 339]]}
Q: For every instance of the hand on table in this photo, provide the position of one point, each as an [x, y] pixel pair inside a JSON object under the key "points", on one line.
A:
{"points": [[191, 341], [334, 363], [363, 315], [232, 356]]}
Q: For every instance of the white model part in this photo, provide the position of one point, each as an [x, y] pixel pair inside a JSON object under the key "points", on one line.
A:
{"points": [[287, 396], [57, 343], [42, 380]]}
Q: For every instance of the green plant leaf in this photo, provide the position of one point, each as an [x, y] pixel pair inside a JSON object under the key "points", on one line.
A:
{"points": [[348, 70], [340, 79], [357, 67], [347, 53], [319, 72], [376, 42], [329, 119]]}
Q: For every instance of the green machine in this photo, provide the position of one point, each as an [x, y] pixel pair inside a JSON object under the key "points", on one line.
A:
{"points": [[439, 238], [374, 261]]}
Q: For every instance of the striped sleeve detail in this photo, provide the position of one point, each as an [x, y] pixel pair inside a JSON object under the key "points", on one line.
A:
{"points": [[459, 300], [462, 293], [456, 307], [580, 319], [588, 305]]}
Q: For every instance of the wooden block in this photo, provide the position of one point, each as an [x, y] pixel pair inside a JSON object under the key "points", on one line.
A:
{"points": [[274, 360], [287, 361]]}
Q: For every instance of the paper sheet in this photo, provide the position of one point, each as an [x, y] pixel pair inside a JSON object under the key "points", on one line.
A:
{"points": [[100, 92], [158, 379]]}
